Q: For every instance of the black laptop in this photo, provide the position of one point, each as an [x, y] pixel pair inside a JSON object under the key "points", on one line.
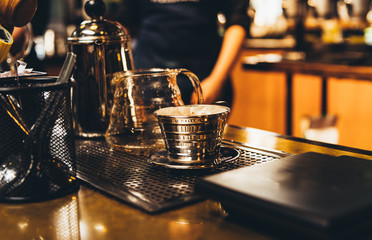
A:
{"points": [[311, 195]]}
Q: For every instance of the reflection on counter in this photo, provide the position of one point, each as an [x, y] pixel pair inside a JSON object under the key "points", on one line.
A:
{"points": [[55, 219]]}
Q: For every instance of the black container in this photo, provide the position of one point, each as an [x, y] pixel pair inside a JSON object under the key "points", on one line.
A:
{"points": [[37, 148]]}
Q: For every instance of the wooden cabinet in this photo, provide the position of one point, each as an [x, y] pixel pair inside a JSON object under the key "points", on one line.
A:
{"points": [[260, 102]]}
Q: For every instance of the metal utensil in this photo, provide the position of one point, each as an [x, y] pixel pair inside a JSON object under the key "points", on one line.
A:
{"points": [[67, 67]]}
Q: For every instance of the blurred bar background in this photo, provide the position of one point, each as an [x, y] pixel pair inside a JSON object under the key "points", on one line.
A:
{"points": [[323, 31]]}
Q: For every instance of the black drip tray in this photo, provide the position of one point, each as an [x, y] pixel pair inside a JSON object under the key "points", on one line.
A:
{"points": [[149, 187]]}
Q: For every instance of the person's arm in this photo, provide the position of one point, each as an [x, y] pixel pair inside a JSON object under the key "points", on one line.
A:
{"points": [[232, 43]]}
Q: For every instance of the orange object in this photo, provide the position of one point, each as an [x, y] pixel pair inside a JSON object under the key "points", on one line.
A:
{"points": [[16, 13], [6, 42]]}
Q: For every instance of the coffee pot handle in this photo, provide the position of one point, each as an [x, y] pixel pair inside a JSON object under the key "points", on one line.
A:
{"points": [[195, 83]]}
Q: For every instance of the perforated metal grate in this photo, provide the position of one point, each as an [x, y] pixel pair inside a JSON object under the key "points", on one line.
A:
{"points": [[147, 186]]}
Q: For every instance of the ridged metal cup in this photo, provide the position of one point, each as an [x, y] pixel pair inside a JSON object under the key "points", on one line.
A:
{"points": [[193, 133]]}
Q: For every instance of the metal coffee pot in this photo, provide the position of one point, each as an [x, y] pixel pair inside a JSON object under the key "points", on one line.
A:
{"points": [[102, 48]]}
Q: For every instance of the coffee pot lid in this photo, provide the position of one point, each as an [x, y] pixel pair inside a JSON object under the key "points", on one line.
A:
{"points": [[97, 28]]}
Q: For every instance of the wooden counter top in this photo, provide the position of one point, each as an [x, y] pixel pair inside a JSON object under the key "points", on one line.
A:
{"points": [[91, 214]]}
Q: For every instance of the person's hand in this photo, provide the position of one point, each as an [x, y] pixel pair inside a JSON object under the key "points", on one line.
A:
{"points": [[211, 89]]}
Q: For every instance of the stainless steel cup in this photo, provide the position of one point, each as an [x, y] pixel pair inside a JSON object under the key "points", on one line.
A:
{"points": [[193, 134]]}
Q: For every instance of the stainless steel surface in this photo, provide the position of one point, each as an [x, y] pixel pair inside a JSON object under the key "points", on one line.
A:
{"points": [[151, 187], [133, 127], [102, 48], [67, 67], [193, 134], [161, 158]]}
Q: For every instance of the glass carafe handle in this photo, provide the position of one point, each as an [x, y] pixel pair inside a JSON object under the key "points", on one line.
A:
{"points": [[195, 83]]}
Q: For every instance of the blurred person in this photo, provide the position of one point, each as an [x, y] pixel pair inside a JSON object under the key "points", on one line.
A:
{"points": [[185, 34]]}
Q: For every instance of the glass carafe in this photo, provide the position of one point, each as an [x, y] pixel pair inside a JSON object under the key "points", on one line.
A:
{"points": [[138, 93]]}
